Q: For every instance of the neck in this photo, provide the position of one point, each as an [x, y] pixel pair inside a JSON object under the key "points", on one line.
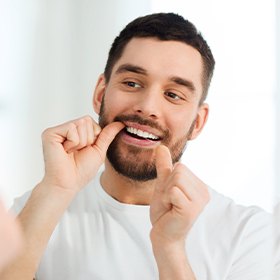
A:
{"points": [[126, 190]]}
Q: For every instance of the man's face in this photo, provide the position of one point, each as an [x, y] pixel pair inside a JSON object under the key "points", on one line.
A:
{"points": [[154, 89]]}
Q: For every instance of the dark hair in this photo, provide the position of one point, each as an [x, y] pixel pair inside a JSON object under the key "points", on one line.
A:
{"points": [[165, 27]]}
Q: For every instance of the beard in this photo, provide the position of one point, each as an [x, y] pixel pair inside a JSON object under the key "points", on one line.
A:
{"points": [[134, 162]]}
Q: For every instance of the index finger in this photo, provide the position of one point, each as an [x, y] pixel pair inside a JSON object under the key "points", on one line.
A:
{"points": [[107, 135]]}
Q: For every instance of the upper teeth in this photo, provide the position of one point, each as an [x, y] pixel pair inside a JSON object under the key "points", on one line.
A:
{"points": [[141, 133]]}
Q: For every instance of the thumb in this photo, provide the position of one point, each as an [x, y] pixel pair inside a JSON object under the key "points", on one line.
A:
{"points": [[164, 164], [106, 136]]}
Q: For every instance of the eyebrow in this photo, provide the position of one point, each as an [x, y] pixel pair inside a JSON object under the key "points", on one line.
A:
{"points": [[139, 70], [183, 82], [131, 68]]}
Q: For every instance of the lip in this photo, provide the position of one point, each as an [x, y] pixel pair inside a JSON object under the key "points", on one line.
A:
{"points": [[144, 143], [144, 128]]}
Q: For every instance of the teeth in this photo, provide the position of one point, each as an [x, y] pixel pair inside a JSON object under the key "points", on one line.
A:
{"points": [[141, 133]]}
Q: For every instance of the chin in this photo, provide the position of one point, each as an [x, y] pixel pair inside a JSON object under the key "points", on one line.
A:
{"points": [[132, 162]]}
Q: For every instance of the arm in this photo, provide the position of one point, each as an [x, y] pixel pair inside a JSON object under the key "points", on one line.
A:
{"points": [[10, 237], [73, 153], [178, 199], [172, 261]]}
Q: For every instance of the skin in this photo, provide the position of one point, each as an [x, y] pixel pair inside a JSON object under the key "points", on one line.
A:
{"points": [[10, 237], [74, 151]]}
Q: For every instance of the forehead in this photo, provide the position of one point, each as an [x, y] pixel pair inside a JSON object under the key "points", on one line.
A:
{"points": [[163, 59]]}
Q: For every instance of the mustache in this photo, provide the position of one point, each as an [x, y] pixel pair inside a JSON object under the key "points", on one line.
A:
{"points": [[165, 133]]}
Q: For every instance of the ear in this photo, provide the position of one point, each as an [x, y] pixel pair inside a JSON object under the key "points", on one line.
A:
{"points": [[200, 121], [99, 93]]}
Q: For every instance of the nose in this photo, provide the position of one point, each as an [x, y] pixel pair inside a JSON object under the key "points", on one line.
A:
{"points": [[148, 105]]}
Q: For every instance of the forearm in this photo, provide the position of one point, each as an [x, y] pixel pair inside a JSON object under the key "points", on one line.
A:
{"points": [[38, 220], [172, 262]]}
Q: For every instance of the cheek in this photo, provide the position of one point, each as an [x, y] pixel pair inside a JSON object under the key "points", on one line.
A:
{"points": [[180, 126], [110, 103], [114, 109], [116, 104]]}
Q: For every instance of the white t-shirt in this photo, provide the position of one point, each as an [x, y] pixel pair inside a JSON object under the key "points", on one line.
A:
{"points": [[99, 238]]}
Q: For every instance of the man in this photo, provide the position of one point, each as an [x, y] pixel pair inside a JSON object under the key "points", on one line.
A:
{"points": [[145, 216], [10, 237]]}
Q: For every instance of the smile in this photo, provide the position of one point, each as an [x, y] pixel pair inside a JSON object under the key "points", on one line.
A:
{"points": [[141, 134]]}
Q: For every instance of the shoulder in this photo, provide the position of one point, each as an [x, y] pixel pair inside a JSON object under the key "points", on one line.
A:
{"points": [[221, 205], [229, 219], [236, 235]]}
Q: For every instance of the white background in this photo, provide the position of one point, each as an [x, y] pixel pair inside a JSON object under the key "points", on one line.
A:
{"points": [[51, 53]]}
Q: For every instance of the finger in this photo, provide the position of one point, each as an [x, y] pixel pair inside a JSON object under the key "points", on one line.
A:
{"points": [[65, 134], [164, 164], [187, 211], [72, 139], [181, 179], [106, 136], [193, 188], [90, 132], [87, 130], [178, 200], [83, 135], [93, 130], [96, 129]]}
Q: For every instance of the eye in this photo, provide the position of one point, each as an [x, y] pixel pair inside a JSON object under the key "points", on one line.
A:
{"points": [[132, 84], [172, 95]]}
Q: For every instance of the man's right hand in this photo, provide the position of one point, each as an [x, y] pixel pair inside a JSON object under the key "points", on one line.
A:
{"points": [[74, 151]]}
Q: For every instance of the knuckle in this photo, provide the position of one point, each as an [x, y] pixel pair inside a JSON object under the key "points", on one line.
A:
{"points": [[180, 170], [177, 176], [45, 133], [95, 125], [88, 118], [180, 167], [71, 126], [90, 139], [80, 122], [75, 141]]}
